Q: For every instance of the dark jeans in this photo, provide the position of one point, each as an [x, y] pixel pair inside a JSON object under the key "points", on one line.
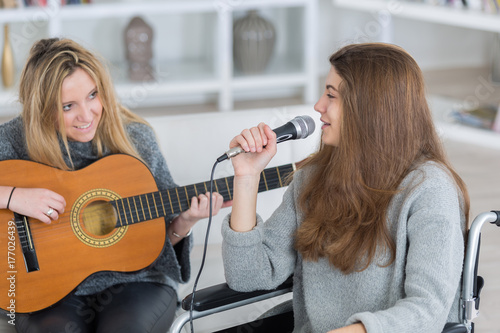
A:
{"points": [[133, 307]]}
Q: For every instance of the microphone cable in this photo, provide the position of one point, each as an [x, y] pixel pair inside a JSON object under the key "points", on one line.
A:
{"points": [[191, 305]]}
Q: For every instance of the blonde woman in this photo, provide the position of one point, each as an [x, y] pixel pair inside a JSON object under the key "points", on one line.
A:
{"points": [[372, 226], [70, 119]]}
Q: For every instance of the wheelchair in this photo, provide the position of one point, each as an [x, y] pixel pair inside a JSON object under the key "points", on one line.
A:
{"points": [[221, 298]]}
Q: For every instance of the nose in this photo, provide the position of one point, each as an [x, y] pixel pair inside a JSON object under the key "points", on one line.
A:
{"points": [[320, 105], [86, 113]]}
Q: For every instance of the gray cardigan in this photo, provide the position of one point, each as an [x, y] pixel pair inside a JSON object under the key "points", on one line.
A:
{"points": [[173, 265], [419, 292]]}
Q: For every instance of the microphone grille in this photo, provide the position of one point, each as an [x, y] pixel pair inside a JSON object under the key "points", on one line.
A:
{"points": [[307, 126]]}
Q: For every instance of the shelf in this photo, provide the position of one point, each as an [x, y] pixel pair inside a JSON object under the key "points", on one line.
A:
{"points": [[9, 101], [192, 47], [269, 81], [23, 14], [448, 88], [451, 130], [106, 9], [458, 17]]}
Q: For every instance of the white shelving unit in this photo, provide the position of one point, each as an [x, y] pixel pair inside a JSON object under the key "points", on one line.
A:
{"points": [[452, 16], [191, 78], [466, 18]]}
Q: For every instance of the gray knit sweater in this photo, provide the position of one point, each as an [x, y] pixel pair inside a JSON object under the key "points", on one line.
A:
{"points": [[419, 292], [173, 266]]}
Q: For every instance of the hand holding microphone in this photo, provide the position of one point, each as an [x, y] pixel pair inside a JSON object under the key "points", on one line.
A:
{"points": [[262, 140], [299, 127]]}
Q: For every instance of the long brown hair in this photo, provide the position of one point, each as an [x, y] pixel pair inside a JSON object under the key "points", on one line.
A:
{"points": [[50, 61], [386, 131]]}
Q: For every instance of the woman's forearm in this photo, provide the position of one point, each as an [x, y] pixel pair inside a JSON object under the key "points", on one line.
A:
{"points": [[5, 192], [243, 215], [355, 328]]}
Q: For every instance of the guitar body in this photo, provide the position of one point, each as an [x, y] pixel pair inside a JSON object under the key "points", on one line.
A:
{"points": [[69, 250]]}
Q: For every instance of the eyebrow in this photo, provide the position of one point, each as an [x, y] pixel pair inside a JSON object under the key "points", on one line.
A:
{"points": [[91, 91], [329, 86]]}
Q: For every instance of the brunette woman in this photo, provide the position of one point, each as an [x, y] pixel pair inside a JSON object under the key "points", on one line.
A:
{"points": [[372, 226]]}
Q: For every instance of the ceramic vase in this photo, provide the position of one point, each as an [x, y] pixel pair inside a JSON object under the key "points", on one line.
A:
{"points": [[253, 43], [8, 70]]}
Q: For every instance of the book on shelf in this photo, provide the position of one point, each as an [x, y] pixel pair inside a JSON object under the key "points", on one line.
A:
{"points": [[8, 4], [491, 6], [487, 6], [43, 3], [485, 117], [74, 2], [34, 3]]}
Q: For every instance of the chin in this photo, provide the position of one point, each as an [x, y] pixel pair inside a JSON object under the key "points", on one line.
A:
{"points": [[81, 138]]}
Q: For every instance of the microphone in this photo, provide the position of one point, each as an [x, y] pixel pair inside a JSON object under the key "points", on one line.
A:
{"points": [[299, 127]]}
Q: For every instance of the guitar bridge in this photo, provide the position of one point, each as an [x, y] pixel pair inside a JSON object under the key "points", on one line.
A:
{"points": [[26, 241]]}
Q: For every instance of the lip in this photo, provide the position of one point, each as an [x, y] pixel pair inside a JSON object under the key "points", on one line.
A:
{"points": [[84, 127], [325, 124]]}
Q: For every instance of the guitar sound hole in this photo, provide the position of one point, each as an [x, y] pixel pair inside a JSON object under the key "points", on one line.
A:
{"points": [[99, 218]]}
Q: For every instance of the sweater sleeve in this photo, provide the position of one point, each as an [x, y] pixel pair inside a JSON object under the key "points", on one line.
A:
{"points": [[433, 265], [264, 257]]}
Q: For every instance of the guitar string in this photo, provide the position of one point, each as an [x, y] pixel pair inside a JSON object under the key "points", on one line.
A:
{"points": [[42, 231], [61, 222]]}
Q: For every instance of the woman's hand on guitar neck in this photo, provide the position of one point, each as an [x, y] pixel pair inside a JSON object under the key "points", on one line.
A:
{"points": [[199, 209], [38, 203]]}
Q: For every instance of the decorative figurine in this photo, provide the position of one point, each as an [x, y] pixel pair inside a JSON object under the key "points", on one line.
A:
{"points": [[139, 51]]}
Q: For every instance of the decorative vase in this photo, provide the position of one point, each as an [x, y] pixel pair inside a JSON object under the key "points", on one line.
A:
{"points": [[8, 70], [139, 50], [253, 43]]}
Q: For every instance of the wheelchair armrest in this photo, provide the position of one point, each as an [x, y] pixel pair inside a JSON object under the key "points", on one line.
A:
{"points": [[454, 328], [221, 295]]}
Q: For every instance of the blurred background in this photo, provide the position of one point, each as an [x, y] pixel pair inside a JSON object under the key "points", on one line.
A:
{"points": [[192, 56], [232, 54]]}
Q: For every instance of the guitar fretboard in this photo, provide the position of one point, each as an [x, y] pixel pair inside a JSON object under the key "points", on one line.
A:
{"points": [[153, 205]]}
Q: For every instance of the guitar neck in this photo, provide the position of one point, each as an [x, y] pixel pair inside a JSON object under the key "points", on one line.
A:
{"points": [[173, 201]]}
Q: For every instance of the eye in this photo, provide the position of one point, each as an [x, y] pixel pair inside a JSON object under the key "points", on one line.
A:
{"points": [[93, 94], [67, 107], [330, 96]]}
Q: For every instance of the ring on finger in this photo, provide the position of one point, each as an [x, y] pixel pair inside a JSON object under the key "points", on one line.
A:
{"points": [[50, 211]]}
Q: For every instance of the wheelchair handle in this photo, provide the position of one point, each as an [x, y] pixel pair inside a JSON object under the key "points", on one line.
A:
{"points": [[468, 297], [497, 222]]}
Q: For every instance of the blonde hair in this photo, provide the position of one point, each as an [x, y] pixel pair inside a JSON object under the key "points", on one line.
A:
{"points": [[50, 61], [386, 131]]}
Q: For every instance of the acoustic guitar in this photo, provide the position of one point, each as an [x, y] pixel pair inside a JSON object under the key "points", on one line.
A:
{"points": [[101, 230]]}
